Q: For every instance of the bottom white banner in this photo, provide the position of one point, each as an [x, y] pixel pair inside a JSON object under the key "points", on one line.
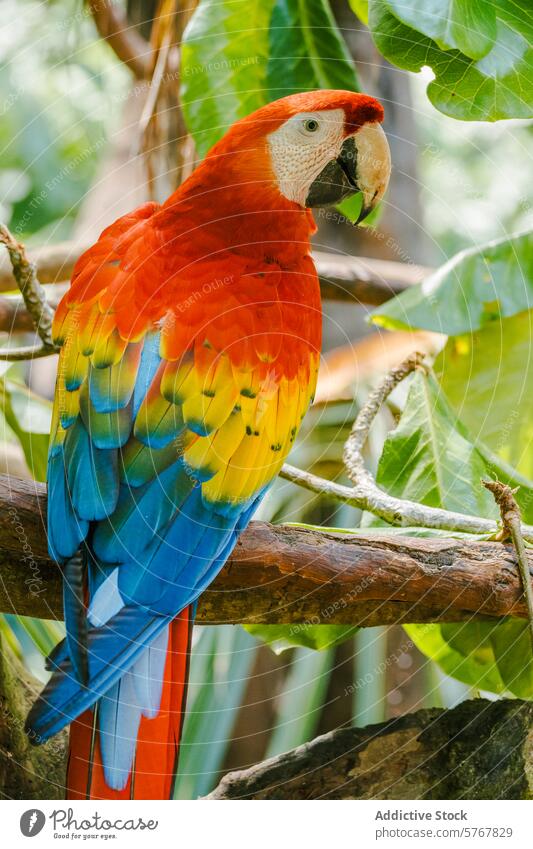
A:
{"points": [[268, 825]]}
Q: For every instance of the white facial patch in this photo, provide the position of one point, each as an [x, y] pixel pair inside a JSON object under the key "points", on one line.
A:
{"points": [[302, 147]]}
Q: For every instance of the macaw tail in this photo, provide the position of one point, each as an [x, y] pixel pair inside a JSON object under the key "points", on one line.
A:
{"points": [[126, 723], [108, 732]]}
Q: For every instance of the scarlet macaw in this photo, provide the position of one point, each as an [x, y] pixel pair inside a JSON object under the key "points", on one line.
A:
{"points": [[190, 345]]}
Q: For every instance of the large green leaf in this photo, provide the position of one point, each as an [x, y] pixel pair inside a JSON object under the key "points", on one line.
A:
{"points": [[318, 637], [474, 287], [307, 50], [488, 378], [498, 85], [224, 54], [429, 458], [28, 416], [465, 25], [238, 55], [489, 656], [432, 458]]}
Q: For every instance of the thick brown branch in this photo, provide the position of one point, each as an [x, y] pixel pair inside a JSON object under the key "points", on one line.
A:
{"points": [[15, 318], [280, 574], [364, 280], [478, 750]]}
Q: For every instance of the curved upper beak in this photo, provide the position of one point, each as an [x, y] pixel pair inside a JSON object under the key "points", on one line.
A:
{"points": [[363, 165]]}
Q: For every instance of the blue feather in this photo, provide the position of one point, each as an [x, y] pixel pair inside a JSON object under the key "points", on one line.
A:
{"points": [[74, 610], [112, 650], [148, 672], [141, 516], [92, 475], [111, 388], [106, 601], [65, 529], [150, 362], [119, 717]]}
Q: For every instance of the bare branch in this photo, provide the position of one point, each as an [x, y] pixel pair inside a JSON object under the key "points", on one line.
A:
{"points": [[353, 450], [364, 280], [124, 38], [15, 318], [35, 301], [290, 575], [366, 494], [511, 524]]}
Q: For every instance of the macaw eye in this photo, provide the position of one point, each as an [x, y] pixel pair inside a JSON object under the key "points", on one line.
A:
{"points": [[311, 125]]}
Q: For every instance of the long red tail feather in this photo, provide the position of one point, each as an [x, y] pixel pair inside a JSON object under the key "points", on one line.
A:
{"points": [[156, 757]]}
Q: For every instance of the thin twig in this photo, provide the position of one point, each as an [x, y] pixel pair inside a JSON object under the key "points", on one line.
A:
{"points": [[512, 527], [34, 297], [353, 450], [365, 494]]}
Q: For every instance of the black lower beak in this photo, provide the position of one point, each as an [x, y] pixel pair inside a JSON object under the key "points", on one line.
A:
{"points": [[338, 180]]}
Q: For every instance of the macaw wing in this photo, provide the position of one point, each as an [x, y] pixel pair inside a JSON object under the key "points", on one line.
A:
{"points": [[165, 439]]}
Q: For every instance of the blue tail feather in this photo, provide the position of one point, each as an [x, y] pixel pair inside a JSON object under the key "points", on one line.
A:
{"points": [[112, 650], [119, 716]]}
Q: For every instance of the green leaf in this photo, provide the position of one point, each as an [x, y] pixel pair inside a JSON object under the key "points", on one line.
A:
{"points": [[318, 637], [488, 378], [499, 85], [238, 55], [360, 8], [407, 531], [429, 458], [433, 458], [465, 25], [489, 656], [461, 650], [29, 416], [351, 207], [474, 287], [307, 50], [224, 55]]}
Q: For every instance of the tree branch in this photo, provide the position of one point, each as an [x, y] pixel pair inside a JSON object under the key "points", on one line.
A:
{"points": [[34, 298], [364, 280], [283, 574], [124, 38], [512, 527], [478, 750], [365, 494]]}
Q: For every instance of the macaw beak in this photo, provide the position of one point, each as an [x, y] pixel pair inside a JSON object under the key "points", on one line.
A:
{"points": [[363, 165]]}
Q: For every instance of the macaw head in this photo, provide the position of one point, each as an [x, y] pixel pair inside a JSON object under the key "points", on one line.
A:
{"points": [[314, 149]]}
